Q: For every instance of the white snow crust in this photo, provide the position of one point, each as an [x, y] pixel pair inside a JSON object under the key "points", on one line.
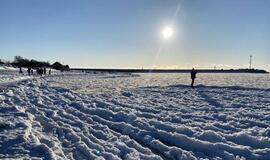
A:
{"points": [[119, 116]]}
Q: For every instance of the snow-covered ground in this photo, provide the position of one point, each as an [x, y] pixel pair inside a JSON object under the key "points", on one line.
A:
{"points": [[10, 74], [148, 116], [95, 83]]}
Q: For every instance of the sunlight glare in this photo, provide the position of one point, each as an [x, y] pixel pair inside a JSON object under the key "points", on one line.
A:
{"points": [[167, 32]]}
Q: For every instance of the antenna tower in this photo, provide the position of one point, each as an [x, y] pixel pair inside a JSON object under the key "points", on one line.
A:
{"points": [[250, 61]]}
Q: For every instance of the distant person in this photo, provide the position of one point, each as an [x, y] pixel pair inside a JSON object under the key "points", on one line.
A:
{"points": [[20, 70], [40, 71], [50, 72], [29, 71], [44, 71], [193, 76]]}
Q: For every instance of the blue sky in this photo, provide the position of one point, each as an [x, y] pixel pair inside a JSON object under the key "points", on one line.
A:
{"points": [[127, 34]]}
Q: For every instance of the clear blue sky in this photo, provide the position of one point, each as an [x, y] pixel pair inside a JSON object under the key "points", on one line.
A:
{"points": [[126, 33]]}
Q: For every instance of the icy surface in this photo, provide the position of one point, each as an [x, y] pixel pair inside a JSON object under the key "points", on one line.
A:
{"points": [[93, 83], [10, 74], [117, 116]]}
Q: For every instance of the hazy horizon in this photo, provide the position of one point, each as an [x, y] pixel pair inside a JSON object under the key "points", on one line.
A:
{"points": [[128, 34]]}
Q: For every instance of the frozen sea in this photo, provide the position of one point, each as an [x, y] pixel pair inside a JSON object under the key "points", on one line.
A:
{"points": [[135, 116], [106, 82]]}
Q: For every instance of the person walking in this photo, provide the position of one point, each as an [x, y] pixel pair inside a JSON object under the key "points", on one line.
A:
{"points": [[193, 77]]}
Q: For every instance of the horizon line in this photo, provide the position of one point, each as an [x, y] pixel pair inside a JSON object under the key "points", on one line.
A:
{"points": [[239, 70]]}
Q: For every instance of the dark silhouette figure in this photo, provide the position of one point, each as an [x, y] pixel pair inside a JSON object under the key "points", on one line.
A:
{"points": [[29, 71], [20, 70], [50, 72], [44, 70], [193, 76], [40, 71]]}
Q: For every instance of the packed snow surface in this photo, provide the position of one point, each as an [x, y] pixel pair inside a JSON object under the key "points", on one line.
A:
{"points": [[125, 116], [10, 74]]}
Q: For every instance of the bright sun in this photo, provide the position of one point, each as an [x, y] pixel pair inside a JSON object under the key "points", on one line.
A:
{"points": [[167, 32]]}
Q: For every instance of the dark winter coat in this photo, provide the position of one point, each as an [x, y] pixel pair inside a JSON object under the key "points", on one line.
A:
{"points": [[193, 74]]}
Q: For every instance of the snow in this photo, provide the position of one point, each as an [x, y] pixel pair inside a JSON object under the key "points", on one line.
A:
{"points": [[8, 75], [146, 116]]}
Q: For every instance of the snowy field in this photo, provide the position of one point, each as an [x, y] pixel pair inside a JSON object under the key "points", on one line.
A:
{"points": [[147, 116], [10, 74]]}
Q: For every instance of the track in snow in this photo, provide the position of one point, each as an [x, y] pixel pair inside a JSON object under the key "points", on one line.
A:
{"points": [[39, 120]]}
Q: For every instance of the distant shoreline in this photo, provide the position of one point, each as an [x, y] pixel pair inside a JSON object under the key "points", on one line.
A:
{"points": [[171, 70]]}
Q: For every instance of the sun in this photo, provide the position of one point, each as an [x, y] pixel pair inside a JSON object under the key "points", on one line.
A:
{"points": [[167, 32]]}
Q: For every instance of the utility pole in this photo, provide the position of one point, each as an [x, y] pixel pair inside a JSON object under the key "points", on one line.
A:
{"points": [[250, 61]]}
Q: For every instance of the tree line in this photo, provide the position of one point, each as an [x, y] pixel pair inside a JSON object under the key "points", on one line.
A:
{"points": [[26, 63]]}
